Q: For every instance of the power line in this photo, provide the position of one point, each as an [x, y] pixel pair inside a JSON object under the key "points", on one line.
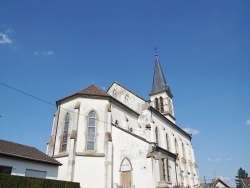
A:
{"points": [[27, 94], [37, 98], [42, 100]]}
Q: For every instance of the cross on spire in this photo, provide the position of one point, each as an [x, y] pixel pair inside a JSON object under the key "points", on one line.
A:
{"points": [[159, 81], [155, 49]]}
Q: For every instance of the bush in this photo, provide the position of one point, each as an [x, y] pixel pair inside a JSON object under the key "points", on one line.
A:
{"points": [[9, 181]]}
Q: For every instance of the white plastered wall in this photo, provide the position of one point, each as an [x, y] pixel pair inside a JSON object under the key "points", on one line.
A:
{"points": [[173, 133], [126, 97], [135, 150], [19, 167], [89, 165]]}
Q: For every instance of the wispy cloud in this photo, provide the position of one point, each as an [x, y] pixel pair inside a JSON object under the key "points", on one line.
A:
{"points": [[4, 39], [248, 122], [191, 131], [213, 160], [218, 159], [104, 88], [44, 53], [9, 30]]}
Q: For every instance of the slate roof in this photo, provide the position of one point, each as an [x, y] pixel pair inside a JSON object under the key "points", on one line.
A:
{"points": [[20, 151], [159, 81], [93, 90]]}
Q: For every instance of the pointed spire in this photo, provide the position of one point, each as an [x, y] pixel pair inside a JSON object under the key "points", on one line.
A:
{"points": [[159, 82]]}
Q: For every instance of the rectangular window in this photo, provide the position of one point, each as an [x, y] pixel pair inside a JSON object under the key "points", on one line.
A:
{"points": [[35, 173], [5, 169]]}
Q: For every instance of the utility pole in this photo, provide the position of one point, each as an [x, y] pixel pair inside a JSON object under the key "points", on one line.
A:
{"points": [[205, 181]]}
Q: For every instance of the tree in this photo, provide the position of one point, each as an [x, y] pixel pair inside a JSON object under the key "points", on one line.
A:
{"points": [[240, 174]]}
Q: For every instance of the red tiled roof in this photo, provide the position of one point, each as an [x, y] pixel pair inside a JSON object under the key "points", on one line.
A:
{"points": [[93, 90], [15, 150]]}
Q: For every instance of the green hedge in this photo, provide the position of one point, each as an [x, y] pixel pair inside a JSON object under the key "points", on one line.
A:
{"points": [[10, 181]]}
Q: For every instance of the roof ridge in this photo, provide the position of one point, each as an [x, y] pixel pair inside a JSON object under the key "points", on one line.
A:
{"points": [[127, 90], [17, 143], [93, 90], [17, 150]]}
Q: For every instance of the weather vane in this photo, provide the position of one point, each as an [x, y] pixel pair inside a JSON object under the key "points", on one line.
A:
{"points": [[155, 49]]}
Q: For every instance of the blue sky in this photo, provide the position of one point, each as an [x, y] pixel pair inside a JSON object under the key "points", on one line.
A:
{"points": [[51, 49]]}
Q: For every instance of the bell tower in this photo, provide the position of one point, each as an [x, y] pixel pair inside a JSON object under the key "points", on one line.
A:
{"points": [[160, 95]]}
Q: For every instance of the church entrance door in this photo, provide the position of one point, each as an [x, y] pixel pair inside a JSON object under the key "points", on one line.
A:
{"points": [[126, 179]]}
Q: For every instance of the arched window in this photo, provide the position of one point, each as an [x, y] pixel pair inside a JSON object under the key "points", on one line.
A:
{"points": [[167, 141], [156, 104], [168, 171], [65, 133], [183, 150], [161, 105], [157, 136], [91, 131], [176, 146], [170, 106]]}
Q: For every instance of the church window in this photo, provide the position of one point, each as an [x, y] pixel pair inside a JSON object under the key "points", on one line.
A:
{"points": [[183, 150], [176, 146], [161, 105], [156, 104], [91, 131], [164, 169], [65, 133], [167, 141], [168, 171], [170, 106], [157, 136], [184, 156]]}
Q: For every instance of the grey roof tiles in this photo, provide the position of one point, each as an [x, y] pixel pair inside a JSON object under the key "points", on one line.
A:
{"points": [[159, 81], [16, 150]]}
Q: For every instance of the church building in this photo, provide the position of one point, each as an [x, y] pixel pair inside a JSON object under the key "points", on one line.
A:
{"points": [[116, 139]]}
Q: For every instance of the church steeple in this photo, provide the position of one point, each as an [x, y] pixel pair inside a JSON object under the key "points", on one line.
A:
{"points": [[160, 94], [159, 81]]}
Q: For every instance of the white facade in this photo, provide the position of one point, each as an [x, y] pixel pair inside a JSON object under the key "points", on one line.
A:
{"points": [[117, 139], [20, 167], [126, 151]]}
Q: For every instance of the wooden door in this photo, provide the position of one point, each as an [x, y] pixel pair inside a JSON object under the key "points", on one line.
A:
{"points": [[126, 179]]}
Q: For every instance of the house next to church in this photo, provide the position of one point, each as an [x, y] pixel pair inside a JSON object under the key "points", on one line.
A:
{"points": [[118, 139]]}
